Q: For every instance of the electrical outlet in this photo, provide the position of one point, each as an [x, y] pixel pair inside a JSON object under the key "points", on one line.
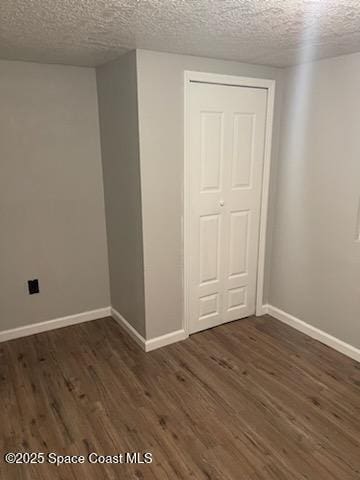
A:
{"points": [[33, 286]]}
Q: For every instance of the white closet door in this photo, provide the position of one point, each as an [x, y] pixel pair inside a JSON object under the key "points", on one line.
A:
{"points": [[227, 132]]}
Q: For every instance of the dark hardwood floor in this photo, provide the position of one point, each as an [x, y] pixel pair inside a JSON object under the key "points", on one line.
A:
{"points": [[252, 399]]}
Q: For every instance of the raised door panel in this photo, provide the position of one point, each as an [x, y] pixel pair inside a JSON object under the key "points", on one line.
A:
{"points": [[211, 150], [209, 306], [243, 150], [238, 243], [236, 298], [209, 242]]}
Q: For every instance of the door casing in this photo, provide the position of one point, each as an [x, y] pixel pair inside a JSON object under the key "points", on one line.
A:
{"points": [[269, 85]]}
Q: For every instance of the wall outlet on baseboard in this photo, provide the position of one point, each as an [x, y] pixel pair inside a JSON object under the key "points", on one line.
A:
{"points": [[33, 286]]}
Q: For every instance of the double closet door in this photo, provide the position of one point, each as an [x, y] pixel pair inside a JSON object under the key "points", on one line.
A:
{"points": [[226, 142]]}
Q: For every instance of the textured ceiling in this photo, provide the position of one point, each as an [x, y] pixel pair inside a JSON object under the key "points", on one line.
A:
{"points": [[91, 32]]}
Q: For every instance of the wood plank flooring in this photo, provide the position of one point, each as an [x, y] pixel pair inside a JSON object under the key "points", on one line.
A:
{"points": [[250, 400]]}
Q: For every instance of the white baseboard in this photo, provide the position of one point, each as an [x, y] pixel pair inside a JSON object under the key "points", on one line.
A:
{"points": [[313, 332], [261, 310], [177, 336], [134, 334], [152, 344], [146, 345], [54, 324], [164, 340]]}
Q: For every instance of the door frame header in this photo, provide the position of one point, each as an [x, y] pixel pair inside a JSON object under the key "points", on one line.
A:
{"points": [[219, 79]]}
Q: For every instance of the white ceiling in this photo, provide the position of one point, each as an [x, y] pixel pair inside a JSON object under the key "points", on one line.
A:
{"points": [[91, 32]]}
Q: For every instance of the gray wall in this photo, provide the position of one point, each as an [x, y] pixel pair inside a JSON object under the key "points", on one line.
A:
{"points": [[117, 94], [315, 264], [161, 107], [51, 194]]}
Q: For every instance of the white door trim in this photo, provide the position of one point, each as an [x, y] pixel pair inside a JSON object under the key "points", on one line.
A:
{"points": [[269, 85]]}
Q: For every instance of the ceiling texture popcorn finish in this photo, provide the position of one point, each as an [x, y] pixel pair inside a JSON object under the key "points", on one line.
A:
{"points": [[92, 32]]}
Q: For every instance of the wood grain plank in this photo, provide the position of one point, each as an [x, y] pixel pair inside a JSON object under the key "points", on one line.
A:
{"points": [[250, 400]]}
